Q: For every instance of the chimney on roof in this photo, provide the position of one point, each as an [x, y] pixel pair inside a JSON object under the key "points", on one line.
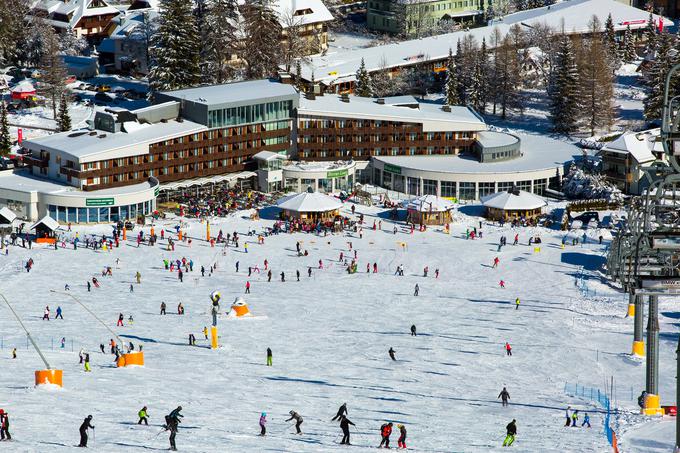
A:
{"points": [[380, 101], [446, 108], [344, 97], [310, 95]]}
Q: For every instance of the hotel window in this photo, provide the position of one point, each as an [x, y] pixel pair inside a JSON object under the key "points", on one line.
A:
{"points": [[429, 187], [448, 189], [486, 188], [466, 191], [524, 185]]}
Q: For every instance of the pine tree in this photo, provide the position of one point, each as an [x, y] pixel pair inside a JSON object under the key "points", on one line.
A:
{"points": [[5, 141], [629, 54], [610, 43], [596, 82], [451, 85], [363, 85], [52, 69], [219, 40], [535, 4], [563, 90], [477, 90], [262, 39], [298, 76], [175, 50], [650, 34], [12, 30], [655, 77], [508, 77], [64, 119], [71, 44]]}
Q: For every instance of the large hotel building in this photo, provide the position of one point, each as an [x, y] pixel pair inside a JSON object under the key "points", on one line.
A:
{"points": [[264, 133]]}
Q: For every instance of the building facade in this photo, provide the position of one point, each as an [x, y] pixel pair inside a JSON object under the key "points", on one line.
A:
{"points": [[414, 17], [92, 19], [625, 160]]}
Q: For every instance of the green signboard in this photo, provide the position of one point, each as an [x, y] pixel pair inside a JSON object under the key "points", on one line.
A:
{"points": [[336, 173], [99, 202], [392, 169]]}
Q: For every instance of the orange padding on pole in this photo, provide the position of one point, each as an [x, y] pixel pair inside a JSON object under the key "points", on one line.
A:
{"points": [[49, 377], [132, 358], [615, 443]]}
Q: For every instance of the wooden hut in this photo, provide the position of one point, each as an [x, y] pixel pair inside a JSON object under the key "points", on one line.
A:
{"points": [[429, 210], [45, 229], [310, 207], [513, 204]]}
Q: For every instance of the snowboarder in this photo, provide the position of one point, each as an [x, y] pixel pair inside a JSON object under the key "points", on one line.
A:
{"points": [[342, 410], [263, 422], [415, 291], [504, 396], [401, 442], [143, 416], [586, 418], [511, 432], [385, 432], [391, 353], [87, 424], [508, 349], [269, 357], [344, 425], [298, 420], [413, 330]]}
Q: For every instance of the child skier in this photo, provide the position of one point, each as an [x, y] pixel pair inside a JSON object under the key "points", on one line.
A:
{"points": [[143, 416], [401, 442], [263, 422]]}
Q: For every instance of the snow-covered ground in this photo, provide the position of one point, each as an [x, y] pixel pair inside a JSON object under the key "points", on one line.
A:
{"points": [[329, 334]]}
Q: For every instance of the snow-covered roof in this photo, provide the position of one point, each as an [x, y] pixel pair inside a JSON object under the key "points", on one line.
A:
{"points": [[301, 12], [234, 93], [638, 144], [74, 10], [429, 203], [48, 221], [309, 202], [431, 116], [7, 214], [25, 86], [268, 155], [576, 15], [510, 201], [106, 145], [334, 66]]}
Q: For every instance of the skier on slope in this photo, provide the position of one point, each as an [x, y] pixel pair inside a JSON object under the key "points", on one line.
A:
{"points": [[508, 349], [342, 410], [298, 420], [263, 423], [143, 416], [401, 442], [172, 422], [391, 353], [413, 330], [504, 396], [344, 425], [385, 432], [511, 432], [83, 430]]}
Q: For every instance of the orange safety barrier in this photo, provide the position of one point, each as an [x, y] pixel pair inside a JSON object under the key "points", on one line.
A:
{"points": [[49, 377], [132, 358], [45, 241]]}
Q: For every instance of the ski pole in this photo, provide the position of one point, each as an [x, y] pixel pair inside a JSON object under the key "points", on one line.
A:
{"points": [[94, 440]]}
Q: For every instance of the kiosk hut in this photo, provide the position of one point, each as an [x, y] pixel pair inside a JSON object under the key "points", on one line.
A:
{"points": [[429, 210], [513, 204], [45, 229], [310, 207], [7, 216]]}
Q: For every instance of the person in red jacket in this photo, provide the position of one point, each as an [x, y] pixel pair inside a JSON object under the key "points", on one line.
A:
{"points": [[508, 348], [385, 432]]}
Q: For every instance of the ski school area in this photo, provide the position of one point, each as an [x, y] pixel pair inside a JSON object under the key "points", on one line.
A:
{"points": [[443, 332]]}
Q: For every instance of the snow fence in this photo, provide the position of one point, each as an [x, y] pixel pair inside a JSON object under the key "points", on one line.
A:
{"points": [[595, 394]]}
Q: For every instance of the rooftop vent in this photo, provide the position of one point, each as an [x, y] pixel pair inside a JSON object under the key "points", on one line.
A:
{"points": [[380, 101], [446, 108], [93, 133], [101, 136]]}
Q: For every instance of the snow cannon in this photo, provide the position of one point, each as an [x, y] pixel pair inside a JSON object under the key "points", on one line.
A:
{"points": [[639, 348], [213, 337], [652, 405], [131, 359], [239, 309], [49, 377]]}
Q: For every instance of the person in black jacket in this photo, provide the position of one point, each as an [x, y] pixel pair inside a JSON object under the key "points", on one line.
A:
{"points": [[341, 411], [298, 420], [83, 431], [344, 425], [511, 430], [504, 396]]}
